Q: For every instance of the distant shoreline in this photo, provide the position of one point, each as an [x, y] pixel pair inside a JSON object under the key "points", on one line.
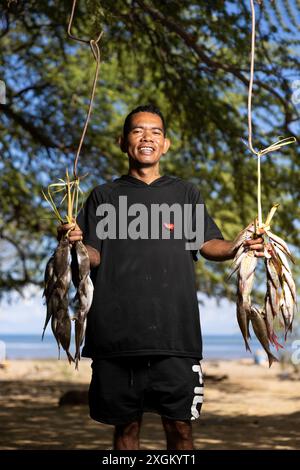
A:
{"points": [[31, 346]]}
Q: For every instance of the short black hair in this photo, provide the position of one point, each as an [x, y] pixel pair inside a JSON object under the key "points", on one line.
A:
{"points": [[147, 108]]}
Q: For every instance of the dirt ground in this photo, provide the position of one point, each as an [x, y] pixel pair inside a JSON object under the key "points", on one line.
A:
{"points": [[246, 406]]}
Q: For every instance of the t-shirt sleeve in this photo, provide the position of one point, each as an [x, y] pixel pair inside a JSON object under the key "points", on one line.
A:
{"points": [[88, 220], [210, 230]]}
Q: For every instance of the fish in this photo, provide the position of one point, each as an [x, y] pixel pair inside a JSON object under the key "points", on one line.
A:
{"points": [[287, 308], [288, 278], [237, 260], [61, 327], [272, 273], [280, 243], [280, 298], [57, 284], [243, 321], [246, 274], [49, 282], [84, 295], [260, 330], [269, 320], [61, 263], [244, 235]]}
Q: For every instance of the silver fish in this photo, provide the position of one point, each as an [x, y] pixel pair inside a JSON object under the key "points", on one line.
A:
{"points": [[269, 320], [246, 273], [243, 320], [58, 275], [281, 243], [61, 327], [260, 330], [49, 282], [287, 308], [244, 235], [84, 295]]}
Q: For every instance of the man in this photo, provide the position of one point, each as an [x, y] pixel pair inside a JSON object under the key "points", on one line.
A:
{"points": [[143, 330]]}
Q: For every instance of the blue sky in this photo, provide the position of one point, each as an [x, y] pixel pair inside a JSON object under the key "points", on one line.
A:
{"points": [[27, 316]]}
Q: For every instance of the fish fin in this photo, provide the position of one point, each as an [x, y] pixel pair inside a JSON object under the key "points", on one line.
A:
{"points": [[275, 342]]}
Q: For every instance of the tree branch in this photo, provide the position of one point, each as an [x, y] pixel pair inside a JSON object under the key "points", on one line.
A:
{"points": [[36, 132], [191, 41]]}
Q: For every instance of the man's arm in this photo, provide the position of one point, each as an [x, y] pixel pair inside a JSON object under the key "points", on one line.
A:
{"points": [[94, 256], [222, 250], [75, 235]]}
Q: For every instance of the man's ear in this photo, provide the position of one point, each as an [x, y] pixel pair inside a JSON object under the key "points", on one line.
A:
{"points": [[123, 144], [167, 144]]}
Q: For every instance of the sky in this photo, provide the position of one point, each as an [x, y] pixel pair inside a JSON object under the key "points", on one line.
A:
{"points": [[27, 316]]}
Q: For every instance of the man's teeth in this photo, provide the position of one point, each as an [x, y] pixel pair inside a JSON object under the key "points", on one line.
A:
{"points": [[147, 148]]}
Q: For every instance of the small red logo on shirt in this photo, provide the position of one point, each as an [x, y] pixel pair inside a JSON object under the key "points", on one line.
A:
{"points": [[169, 226]]}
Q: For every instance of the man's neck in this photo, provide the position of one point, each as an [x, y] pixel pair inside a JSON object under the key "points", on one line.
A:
{"points": [[147, 175]]}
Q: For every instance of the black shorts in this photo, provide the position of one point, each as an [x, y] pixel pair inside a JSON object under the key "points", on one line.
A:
{"points": [[122, 389]]}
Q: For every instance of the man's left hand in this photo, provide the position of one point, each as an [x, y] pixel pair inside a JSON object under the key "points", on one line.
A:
{"points": [[256, 244]]}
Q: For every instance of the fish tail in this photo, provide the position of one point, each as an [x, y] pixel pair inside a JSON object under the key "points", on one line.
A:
{"points": [[70, 357], [271, 358], [247, 345], [287, 329]]}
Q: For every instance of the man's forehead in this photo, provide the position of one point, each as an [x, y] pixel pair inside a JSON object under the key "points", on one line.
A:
{"points": [[146, 119]]}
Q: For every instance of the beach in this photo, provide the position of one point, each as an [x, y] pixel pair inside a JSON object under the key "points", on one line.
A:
{"points": [[246, 406]]}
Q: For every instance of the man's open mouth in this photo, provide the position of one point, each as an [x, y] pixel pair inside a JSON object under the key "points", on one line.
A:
{"points": [[146, 149]]}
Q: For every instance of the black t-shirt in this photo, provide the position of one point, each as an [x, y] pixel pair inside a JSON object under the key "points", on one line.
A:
{"points": [[145, 299]]}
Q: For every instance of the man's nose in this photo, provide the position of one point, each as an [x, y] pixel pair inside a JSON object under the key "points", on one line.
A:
{"points": [[147, 135]]}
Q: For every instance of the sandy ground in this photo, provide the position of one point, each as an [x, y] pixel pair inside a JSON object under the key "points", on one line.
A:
{"points": [[252, 408]]}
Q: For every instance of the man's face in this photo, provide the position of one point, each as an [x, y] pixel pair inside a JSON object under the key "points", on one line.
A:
{"points": [[146, 143]]}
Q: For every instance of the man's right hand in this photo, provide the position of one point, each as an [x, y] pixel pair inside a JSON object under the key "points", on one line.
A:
{"points": [[74, 235]]}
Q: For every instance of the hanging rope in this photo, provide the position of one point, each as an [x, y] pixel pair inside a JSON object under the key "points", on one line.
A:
{"points": [[276, 145], [93, 43]]}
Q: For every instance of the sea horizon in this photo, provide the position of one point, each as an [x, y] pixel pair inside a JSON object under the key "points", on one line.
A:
{"points": [[31, 346]]}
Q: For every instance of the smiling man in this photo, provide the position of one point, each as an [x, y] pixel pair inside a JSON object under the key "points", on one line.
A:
{"points": [[143, 330]]}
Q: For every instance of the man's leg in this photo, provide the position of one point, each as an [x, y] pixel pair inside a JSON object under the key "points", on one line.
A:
{"points": [[127, 436], [178, 434]]}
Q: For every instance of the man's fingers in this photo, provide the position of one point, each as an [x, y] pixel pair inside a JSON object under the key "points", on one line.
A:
{"points": [[65, 227], [75, 233], [258, 247], [254, 241]]}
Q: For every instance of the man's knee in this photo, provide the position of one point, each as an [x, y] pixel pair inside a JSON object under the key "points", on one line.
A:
{"points": [[129, 429], [179, 429]]}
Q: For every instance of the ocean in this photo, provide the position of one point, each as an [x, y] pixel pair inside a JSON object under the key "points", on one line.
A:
{"points": [[32, 347]]}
